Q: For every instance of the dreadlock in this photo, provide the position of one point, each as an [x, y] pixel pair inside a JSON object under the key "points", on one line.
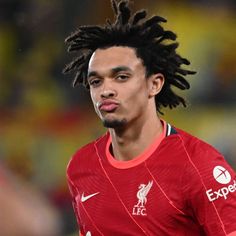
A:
{"points": [[151, 42]]}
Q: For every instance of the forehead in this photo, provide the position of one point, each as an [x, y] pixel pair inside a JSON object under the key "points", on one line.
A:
{"points": [[105, 59]]}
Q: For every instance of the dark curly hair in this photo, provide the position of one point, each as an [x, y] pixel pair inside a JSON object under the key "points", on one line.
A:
{"points": [[154, 45]]}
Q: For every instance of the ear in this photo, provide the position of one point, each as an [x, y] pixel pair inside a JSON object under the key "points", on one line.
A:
{"points": [[155, 84]]}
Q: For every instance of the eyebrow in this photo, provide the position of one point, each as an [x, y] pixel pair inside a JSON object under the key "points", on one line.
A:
{"points": [[113, 71], [120, 68]]}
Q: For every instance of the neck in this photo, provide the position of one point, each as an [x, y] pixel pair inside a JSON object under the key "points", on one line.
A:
{"points": [[130, 142]]}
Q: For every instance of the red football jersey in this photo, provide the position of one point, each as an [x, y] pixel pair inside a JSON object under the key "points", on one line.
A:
{"points": [[180, 185]]}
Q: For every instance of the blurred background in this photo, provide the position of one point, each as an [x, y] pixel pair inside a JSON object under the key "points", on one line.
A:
{"points": [[43, 120]]}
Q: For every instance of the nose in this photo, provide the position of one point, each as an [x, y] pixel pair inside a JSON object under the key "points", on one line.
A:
{"points": [[107, 94], [108, 91]]}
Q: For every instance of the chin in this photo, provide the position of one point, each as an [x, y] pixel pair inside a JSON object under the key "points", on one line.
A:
{"points": [[114, 123]]}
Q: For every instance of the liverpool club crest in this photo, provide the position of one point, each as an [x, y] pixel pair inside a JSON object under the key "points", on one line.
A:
{"points": [[139, 208]]}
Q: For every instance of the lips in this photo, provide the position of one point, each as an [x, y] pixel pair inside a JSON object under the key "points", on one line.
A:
{"points": [[108, 105]]}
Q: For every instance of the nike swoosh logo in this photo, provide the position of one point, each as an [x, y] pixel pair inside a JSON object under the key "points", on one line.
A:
{"points": [[85, 198]]}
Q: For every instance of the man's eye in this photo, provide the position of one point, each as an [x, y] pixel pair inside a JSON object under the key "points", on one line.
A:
{"points": [[94, 82], [122, 77]]}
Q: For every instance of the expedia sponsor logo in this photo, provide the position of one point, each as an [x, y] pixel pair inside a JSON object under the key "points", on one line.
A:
{"points": [[222, 176], [223, 192]]}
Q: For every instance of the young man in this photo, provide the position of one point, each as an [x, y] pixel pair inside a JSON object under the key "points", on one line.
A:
{"points": [[143, 177]]}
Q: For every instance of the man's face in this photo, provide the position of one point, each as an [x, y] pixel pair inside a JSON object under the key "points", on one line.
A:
{"points": [[118, 86]]}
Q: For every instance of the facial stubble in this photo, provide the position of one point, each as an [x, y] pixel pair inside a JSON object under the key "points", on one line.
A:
{"points": [[114, 124]]}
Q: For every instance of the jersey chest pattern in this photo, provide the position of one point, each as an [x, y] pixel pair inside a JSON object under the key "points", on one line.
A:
{"points": [[136, 201]]}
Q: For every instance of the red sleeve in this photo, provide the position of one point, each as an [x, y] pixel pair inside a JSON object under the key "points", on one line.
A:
{"points": [[74, 194], [210, 190]]}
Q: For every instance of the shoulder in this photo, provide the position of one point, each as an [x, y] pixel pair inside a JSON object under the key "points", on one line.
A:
{"points": [[197, 158], [197, 148], [182, 150], [84, 155], [203, 163]]}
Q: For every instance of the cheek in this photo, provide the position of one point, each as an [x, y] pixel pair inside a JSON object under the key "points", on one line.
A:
{"points": [[93, 98], [138, 95]]}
